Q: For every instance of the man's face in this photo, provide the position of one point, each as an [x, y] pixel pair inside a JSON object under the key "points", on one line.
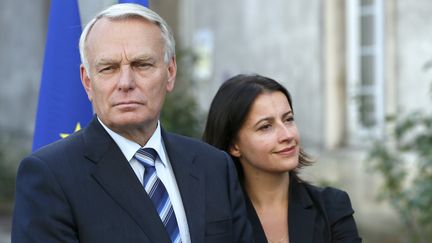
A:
{"points": [[127, 78]]}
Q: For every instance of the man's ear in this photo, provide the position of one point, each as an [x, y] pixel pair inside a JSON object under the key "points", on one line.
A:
{"points": [[234, 150], [85, 80], [172, 73]]}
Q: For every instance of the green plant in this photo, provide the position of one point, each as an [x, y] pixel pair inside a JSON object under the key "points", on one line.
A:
{"points": [[406, 166], [7, 180], [181, 113]]}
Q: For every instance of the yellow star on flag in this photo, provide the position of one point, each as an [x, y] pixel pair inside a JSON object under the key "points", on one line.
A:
{"points": [[77, 128]]}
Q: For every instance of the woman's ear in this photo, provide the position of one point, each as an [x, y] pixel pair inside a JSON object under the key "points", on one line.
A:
{"points": [[234, 150]]}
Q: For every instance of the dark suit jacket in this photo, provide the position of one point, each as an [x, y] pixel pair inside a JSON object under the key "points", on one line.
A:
{"points": [[82, 189], [315, 215]]}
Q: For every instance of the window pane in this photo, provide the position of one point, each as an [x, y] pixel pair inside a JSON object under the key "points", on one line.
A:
{"points": [[367, 70], [367, 2], [366, 110], [366, 30]]}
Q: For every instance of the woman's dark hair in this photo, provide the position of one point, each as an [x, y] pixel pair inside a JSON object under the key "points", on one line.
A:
{"points": [[231, 106]]}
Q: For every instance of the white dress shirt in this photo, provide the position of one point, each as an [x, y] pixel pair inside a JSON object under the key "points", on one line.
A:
{"points": [[163, 170]]}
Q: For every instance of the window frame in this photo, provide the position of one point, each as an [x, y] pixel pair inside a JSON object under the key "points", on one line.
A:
{"points": [[357, 130]]}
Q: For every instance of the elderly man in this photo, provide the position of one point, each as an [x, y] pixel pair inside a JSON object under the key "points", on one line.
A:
{"points": [[123, 178]]}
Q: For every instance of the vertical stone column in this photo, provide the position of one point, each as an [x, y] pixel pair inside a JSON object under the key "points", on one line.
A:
{"points": [[334, 73]]}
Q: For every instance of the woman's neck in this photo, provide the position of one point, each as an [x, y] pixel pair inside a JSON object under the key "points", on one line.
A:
{"points": [[269, 196], [267, 189]]}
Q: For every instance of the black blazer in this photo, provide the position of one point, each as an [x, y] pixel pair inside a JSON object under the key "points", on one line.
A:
{"points": [[315, 215], [82, 189]]}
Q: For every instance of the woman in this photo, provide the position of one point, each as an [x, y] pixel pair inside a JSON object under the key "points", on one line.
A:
{"points": [[251, 118]]}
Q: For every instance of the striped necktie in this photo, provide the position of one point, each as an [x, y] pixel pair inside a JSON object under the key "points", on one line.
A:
{"points": [[157, 192]]}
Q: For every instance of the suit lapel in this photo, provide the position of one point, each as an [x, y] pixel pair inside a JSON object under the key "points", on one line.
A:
{"points": [[190, 180], [116, 177], [301, 214]]}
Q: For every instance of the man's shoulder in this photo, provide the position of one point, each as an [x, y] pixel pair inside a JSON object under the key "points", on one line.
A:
{"points": [[61, 146], [61, 158], [189, 142], [201, 151]]}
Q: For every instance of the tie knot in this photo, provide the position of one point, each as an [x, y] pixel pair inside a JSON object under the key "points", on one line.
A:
{"points": [[146, 156]]}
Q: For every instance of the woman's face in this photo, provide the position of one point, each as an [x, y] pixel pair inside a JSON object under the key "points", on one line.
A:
{"points": [[268, 141]]}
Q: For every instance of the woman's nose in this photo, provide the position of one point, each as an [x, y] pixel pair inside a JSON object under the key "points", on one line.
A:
{"points": [[286, 132]]}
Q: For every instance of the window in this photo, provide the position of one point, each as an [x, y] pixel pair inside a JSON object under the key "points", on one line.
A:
{"points": [[365, 81]]}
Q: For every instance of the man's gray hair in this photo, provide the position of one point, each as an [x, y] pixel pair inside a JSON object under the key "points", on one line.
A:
{"points": [[126, 11]]}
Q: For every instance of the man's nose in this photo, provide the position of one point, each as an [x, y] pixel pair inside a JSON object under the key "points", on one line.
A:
{"points": [[126, 79]]}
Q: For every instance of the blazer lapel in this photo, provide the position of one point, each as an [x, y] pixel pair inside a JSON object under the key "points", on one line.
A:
{"points": [[190, 180], [301, 214], [114, 174]]}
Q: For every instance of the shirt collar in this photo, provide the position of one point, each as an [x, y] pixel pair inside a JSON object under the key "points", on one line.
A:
{"points": [[129, 147]]}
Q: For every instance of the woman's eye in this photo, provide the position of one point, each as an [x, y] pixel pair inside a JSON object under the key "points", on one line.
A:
{"points": [[264, 127], [289, 119]]}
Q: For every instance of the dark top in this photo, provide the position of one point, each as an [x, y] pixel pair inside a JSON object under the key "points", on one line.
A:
{"points": [[82, 189], [318, 215]]}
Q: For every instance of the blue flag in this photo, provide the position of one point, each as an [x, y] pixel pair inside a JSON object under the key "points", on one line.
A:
{"points": [[63, 104], [142, 2]]}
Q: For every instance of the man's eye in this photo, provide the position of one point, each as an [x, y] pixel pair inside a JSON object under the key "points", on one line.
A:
{"points": [[106, 69], [142, 65]]}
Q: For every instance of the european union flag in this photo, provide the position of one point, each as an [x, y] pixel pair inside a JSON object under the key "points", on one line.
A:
{"points": [[63, 104], [142, 2]]}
